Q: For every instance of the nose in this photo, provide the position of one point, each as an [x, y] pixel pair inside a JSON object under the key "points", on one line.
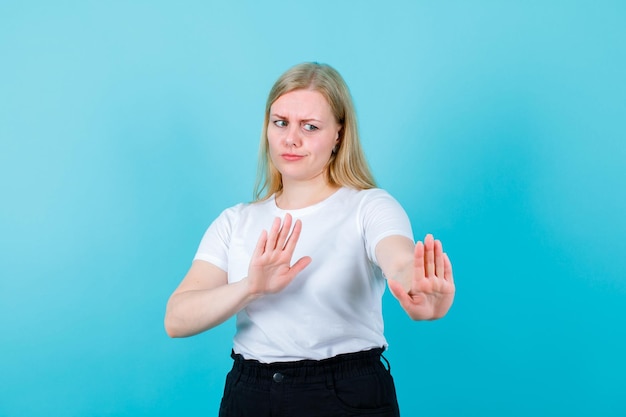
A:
{"points": [[292, 136]]}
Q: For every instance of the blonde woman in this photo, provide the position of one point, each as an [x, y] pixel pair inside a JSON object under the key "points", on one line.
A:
{"points": [[304, 267]]}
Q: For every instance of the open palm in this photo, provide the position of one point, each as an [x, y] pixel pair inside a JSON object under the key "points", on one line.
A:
{"points": [[270, 269], [431, 286]]}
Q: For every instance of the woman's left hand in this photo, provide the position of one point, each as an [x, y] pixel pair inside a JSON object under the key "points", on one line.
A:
{"points": [[431, 284]]}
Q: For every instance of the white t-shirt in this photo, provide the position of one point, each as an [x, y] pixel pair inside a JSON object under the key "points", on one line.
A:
{"points": [[334, 305]]}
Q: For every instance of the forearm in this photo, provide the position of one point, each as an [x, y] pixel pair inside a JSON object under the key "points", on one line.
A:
{"points": [[194, 311], [402, 272]]}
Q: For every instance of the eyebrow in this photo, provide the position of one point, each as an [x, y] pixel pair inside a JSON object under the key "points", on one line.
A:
{"points": [[310, 119]]}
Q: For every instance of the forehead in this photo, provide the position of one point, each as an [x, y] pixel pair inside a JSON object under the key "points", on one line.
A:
{"points": [[302, 103]]}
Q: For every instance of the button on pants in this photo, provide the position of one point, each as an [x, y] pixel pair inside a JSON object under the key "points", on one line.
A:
{"points": [[348, 385]]}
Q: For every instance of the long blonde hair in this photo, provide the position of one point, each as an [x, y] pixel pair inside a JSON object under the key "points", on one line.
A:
{"points": [[347, 165]]}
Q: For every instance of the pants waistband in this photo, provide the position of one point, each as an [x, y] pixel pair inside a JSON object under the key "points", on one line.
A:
{"points": [[340, 366]]}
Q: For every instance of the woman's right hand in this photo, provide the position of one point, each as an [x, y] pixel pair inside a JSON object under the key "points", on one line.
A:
{"points": [[205, 299], [270, 269]]}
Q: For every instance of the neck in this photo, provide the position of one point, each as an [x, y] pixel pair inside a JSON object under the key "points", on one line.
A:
{"points": [[297, 195]]}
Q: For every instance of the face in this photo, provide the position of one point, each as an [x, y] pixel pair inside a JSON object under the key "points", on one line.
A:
{"points": [[302, 133]]}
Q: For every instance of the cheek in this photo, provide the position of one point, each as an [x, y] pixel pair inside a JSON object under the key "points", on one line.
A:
{"points": [[273, 147], [326, 146], [272, 140]]}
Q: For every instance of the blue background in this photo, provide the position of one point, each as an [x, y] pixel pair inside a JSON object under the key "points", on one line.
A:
{"points": [[126, 127]]}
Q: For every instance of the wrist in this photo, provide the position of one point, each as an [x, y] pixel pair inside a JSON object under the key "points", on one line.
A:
{"points": [[252, 292]]}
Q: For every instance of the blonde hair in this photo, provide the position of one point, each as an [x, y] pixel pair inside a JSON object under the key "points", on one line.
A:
{"points": [[347, 165]]}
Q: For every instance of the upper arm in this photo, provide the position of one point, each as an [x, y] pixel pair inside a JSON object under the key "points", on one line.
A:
{"points": [[202, 275], [208, 270], [386, 231], [394, 253]]}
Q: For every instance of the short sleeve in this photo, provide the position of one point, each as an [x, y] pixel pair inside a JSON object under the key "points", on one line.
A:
{"points": [[382, 216], [215, 243]]}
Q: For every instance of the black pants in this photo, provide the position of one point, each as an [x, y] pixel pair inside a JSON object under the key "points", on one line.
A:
{"points": [[353, 384]]}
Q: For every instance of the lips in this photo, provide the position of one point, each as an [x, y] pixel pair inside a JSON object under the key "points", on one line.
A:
{"points": [[291, 157]]}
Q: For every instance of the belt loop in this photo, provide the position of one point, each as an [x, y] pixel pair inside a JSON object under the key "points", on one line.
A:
{"points": [[238, 359], [387, 362]]}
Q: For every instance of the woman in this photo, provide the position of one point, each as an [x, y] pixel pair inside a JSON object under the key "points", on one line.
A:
{"points": [[308, 293]]}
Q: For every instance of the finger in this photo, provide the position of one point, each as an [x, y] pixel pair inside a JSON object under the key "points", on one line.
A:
{"points": [[439, 261], [300, 265], [418, 265], [284, 232], [447, 268], [273, 234], [429, 255], [398, 291], [290, 246], [402, 296]]}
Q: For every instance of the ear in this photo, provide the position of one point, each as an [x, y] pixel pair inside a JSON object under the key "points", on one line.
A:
{"points": [[338, 134]]}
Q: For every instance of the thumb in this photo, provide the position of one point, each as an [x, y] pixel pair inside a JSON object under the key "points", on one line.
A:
{"points": [[397, 290], [300, 265]]}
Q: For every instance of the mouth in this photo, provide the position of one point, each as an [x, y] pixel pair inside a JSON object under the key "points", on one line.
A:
{"points": [[291, 157]]}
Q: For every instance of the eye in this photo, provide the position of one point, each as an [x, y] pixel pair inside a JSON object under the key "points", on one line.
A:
{"points": [[280, 123], [309, 127]]}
